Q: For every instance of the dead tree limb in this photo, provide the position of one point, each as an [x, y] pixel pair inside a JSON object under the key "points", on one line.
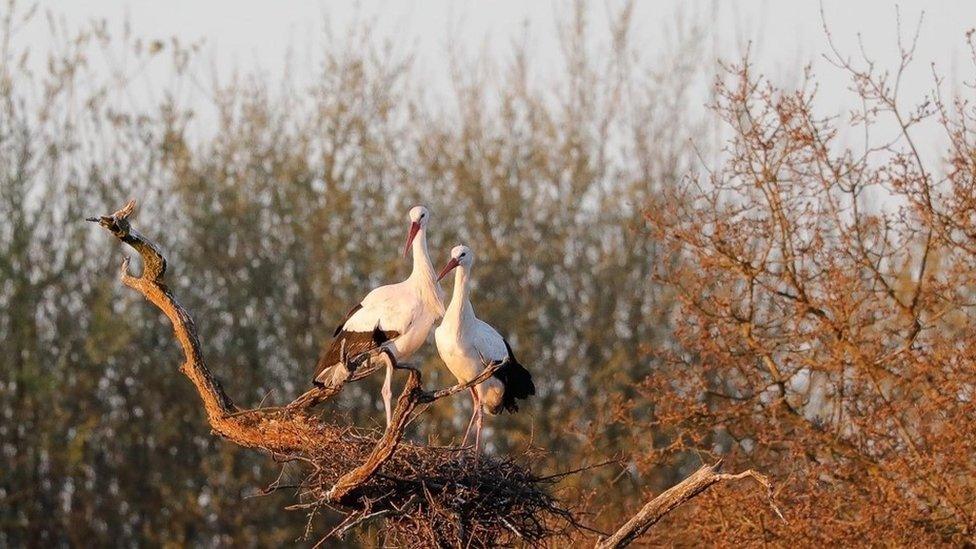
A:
{"points": [[150, 284], [253, 428], [669, 500]]}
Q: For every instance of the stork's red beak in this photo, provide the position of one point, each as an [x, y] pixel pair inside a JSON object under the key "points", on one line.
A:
{"points": [[447, 268], [414, 228]]}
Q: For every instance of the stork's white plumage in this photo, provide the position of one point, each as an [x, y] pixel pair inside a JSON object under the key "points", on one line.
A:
{"points": [[395, 319], [465, 343]]}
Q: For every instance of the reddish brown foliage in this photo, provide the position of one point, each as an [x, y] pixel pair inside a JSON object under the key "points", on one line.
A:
{"points": [[820, 339]]}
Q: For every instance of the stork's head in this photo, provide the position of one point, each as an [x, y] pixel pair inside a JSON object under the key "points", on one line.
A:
{"points": [[460, 256], [419, 216]]}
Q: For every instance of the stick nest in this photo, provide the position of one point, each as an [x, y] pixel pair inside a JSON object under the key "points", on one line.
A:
{"points": [[431, 496]]}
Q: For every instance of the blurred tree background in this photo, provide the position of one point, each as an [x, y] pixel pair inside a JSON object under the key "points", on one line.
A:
{"points": [[280, 219]]}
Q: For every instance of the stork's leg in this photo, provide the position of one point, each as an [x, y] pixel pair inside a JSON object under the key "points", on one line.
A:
{"points": [[477, 434], [387, 391], [474, 410]]}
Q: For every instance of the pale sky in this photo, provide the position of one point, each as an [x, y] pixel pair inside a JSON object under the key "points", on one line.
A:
{"points": [[248, 33], [785, 34]]}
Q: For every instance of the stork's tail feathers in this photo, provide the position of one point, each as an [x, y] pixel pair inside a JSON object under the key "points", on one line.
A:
{"points": [[332, 376], [346, 353], [517, 380]]}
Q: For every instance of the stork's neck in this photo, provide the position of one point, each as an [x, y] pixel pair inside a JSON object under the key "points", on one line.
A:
{"points": [[460, 308], [422, 275]]}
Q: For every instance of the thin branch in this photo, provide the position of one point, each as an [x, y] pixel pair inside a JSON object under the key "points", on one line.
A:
{"points": [[353, 521], [488, 371]]}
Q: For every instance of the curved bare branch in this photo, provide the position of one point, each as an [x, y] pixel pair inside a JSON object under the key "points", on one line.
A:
{"points": [[669, 500]]}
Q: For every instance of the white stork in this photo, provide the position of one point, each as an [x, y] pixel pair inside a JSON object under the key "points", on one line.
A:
{"points": [[393, 319], [466, 344]]}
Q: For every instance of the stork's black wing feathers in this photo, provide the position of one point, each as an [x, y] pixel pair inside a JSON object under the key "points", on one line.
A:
{"points": [[517, 380], [355, 344]]}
